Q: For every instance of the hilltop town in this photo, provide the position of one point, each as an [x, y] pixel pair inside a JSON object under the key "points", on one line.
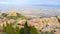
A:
{"points": [[41, 24]]}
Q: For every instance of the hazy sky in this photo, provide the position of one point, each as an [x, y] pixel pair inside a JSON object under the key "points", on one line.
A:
{"points": [[52, 3]]}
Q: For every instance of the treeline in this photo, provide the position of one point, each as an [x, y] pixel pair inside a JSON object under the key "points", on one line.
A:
{"points": [[9, 29]]}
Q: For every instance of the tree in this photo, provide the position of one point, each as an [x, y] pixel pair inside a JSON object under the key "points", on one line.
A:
{"points": [[20, 16], [17, 30], [9, 29], [25, 30], [58, 20], [4, 28], [33, 30], [4, 14], [28, 29], [22, 31]]}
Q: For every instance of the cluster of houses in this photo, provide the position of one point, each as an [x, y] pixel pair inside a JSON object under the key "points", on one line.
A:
{"points": [[41, 24]]}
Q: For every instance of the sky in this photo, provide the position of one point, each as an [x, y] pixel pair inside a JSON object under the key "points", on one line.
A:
{"points": [[24, 3]]}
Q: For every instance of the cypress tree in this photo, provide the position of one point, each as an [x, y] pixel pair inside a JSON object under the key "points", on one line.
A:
{"points": [[26, 28], [22, 31], [33, 30]]}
